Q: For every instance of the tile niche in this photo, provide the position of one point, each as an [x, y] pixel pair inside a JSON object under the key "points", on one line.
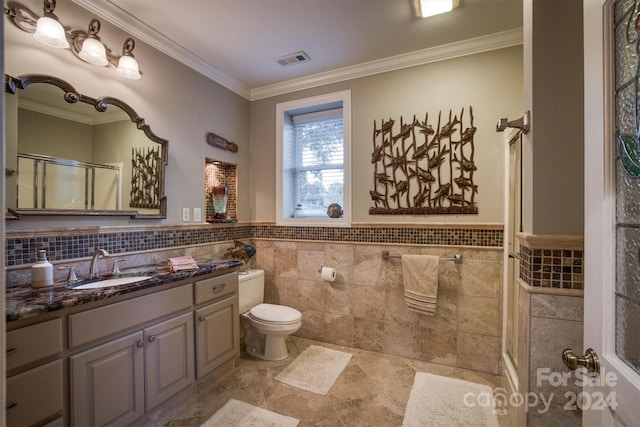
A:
{"points": [[220, 174]]}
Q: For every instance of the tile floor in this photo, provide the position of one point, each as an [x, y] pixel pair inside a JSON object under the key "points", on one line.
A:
{"points": [[372, 390]]}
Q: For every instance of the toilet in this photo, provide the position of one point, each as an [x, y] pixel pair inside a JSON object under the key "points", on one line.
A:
{"points": [[265, 325]]}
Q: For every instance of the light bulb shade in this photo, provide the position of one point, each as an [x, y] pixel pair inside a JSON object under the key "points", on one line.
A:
{"points": [[128, 67], [93, 52], [50, 32]]}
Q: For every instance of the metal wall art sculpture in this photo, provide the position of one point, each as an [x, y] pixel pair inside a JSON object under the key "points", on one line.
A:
{"points": [[144, 178], [419, 170]]}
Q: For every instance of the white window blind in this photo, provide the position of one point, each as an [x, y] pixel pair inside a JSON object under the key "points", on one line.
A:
{"points": [[313, 158], [318, 150]]}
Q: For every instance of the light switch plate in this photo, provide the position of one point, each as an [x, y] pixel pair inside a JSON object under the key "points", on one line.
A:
{"points": [[197, 214], [185, 215]]}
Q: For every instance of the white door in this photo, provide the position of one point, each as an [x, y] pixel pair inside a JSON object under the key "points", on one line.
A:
{"points": [[612, 314]]}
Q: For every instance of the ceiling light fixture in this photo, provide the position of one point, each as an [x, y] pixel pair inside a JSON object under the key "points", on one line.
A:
{"points": [[426, 8], [85, 45]]}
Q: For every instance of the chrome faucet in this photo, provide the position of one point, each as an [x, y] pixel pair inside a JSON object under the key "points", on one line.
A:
{"points": [[93, 269]]}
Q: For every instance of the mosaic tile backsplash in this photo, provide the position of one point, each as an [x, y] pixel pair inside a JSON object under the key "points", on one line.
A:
{"points": [[21, 247], [62, 246]]}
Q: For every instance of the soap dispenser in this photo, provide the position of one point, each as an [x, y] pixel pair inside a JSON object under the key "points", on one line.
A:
{"points": [[42, 271]]}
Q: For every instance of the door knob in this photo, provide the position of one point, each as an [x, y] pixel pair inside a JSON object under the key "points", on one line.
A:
{"points": [[589, 360]]}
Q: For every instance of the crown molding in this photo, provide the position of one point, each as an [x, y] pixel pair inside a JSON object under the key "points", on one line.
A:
{"points": [[143, 32], [138, 29], [445, 52]]}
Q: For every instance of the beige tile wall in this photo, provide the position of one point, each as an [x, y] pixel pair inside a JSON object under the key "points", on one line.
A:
{"points": [[550, 322], [364, 307]]}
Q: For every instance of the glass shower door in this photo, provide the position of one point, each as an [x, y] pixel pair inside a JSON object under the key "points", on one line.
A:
{"points": [[514, 225]]}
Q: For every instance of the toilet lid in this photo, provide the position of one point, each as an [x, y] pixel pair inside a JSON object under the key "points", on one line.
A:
{"points": [[273, 313]]}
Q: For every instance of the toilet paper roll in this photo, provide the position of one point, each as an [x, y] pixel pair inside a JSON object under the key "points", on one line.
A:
{"points": [[328, 274]]}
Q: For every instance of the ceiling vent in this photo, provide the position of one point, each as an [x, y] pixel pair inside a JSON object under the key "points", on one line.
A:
{"points": [[293, 58]]}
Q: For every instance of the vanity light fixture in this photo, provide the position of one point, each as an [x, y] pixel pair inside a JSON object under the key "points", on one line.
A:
{"points": [[127, 64], [426, 8], [93, 50], [48, 29], [85, 45]]}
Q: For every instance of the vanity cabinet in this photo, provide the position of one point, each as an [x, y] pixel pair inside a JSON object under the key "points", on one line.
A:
{"points": [[217, 322], [113, 363], [118, 381], [34, 392]]}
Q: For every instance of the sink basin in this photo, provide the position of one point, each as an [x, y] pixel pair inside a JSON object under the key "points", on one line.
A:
{"points": [[116, 281]]}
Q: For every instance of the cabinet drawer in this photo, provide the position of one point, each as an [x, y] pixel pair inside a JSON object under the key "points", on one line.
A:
{"points": [[98, 323], [34, 395], [32, 343], [216, 287]]}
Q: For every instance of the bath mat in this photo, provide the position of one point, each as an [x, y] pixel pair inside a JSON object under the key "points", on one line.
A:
{"points": [[315, 369], [240, 414], [442, 401]]}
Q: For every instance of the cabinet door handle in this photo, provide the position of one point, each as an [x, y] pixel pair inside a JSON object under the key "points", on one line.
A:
{"points": [[202, 318], [218, 288], [152, 338], [12, 350], [12, 406], [140, 343]]}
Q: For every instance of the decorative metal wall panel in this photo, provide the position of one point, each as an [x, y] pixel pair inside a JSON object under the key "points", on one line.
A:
{"points": [[422, 170], [145, 180]]}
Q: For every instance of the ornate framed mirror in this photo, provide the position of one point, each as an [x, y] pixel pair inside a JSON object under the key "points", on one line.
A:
{"points": [[70, 154]]}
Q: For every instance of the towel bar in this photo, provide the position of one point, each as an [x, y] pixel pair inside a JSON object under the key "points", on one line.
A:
{"points": [[457, 258]]}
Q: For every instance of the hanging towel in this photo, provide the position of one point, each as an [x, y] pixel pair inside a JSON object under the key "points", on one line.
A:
{"points": [[420, 279]]}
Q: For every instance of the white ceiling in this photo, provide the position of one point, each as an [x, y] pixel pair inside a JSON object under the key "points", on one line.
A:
{"points": [[235, 42]]}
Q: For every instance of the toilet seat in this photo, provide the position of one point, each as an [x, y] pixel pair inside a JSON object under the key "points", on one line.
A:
{"points": [[273, 314]]}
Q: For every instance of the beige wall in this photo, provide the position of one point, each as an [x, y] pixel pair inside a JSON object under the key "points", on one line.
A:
{"points": [[182, 105], [553, 196], [491, 83], [177, 103]]}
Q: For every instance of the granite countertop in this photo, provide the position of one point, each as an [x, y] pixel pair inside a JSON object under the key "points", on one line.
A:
{"points": [[24, 301]]}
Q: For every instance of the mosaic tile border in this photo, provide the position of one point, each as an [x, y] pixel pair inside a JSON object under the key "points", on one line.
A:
{"points": [[63, 244], [551, 268], [398, 235]]}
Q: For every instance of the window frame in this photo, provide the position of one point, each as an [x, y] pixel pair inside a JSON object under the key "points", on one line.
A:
{"points": [[284, 112]]}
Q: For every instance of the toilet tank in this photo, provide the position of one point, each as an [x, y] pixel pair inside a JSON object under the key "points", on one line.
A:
{"points": [[250, 289]]}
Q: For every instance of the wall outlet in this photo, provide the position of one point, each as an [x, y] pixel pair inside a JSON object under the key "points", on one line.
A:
{"points": [[185, 215], [197, 214]]}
